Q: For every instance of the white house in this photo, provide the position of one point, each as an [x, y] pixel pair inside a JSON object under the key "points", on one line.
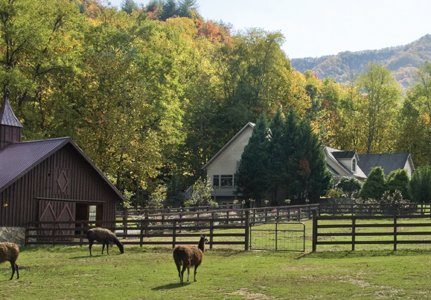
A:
{"points": [[221, 168]]}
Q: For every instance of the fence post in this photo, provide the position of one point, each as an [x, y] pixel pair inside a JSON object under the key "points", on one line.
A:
{"points": [[26, 234], [353, 232], [247, 229], [141, 238], [181, 216], [211, 230], [81, 233], [174, 232], [395, 233], [314, 231], [147, 220], [125, 213], [53, 232]]}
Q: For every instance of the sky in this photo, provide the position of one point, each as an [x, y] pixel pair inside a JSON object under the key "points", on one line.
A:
{"points": [[314, 28]]}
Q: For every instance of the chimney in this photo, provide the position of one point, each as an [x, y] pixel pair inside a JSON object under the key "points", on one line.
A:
{"points": [[10, 127]]}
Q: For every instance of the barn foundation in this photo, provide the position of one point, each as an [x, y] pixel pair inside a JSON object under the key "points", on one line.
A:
{"points": [[13, 234]]}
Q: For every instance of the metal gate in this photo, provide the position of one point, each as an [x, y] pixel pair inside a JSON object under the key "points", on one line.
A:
{"points": [[278, 236]]}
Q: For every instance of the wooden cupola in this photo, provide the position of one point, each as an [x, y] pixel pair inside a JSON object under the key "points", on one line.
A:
{"points": [[10, 127]]}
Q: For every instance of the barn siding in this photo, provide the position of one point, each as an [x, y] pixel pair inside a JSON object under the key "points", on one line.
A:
{"points": [[40, 183]]}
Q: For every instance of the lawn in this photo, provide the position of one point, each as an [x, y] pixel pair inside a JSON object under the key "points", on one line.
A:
{"points": [[149, 273]]}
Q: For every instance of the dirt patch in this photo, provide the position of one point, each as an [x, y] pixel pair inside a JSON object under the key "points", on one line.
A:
{"points": [[244, 292]]}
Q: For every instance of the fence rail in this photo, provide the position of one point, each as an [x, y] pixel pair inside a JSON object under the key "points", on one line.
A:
{"points": [[352, 229], [364, 209], [140, 232]]}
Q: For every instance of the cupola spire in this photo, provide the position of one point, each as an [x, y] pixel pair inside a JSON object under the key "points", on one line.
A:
{"points": [[10, 126]]}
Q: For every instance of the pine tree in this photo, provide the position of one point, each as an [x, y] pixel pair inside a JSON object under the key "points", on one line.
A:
{"points": [[374, 186], [277, 159], [420, 185], [313, 179], [252, 176], [290, 143]]}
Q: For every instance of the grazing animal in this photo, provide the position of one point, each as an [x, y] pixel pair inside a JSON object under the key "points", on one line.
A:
{"points": [[105, 236], [189, 256], [10, 252]]}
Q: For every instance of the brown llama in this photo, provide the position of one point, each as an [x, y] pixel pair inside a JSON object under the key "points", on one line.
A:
{"points": [[104, 236], [10, 252], [189, 256]]}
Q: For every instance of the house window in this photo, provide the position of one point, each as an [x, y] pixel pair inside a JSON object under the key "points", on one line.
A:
{"points": [[354, 165], [226, 180], [216, 180]]}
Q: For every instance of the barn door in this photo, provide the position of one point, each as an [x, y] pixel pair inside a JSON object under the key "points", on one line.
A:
{"points": [[57, 211]]}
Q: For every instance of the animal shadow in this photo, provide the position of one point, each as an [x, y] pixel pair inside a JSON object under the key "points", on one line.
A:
{"points": [[170, 286]]}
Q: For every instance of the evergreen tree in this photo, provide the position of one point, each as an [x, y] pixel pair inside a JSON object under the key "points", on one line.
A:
{"points": [[398, 180], [251, 177], [129, 6], [313, 179], [290, 145], [374, 185], [277, 161], [420, 185]]}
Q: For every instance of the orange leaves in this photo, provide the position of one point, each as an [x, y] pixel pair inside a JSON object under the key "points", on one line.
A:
{"points": [[304, 168]]}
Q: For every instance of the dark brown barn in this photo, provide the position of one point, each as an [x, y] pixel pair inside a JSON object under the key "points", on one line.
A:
{"points": [[48, 179]]}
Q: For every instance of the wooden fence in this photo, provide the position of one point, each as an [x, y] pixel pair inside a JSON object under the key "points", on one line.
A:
{"points": [[364, 209], [353, 230], [257, 215], [143, 231]]}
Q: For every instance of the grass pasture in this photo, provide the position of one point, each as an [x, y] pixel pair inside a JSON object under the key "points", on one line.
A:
{"points": [[333, 272]]}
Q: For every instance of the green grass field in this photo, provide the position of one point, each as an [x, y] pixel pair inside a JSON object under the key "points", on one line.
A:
{"points": [[150, 273]]}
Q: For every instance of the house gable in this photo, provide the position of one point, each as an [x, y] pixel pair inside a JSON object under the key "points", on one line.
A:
{"points": [[222, 167]]}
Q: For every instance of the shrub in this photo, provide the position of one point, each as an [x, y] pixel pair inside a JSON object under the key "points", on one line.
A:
{"points": [[374, 185], [349, 185], [398, 180], [393, 203]]}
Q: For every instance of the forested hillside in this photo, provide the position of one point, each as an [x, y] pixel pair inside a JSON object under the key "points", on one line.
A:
{"points": [[403, 61], [152, 93]]}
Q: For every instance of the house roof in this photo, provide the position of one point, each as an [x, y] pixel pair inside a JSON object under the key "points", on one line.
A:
{"points": [[388, 161], [335, 154], [19, 158], [344, 154], [7, 117], [249, 124]]}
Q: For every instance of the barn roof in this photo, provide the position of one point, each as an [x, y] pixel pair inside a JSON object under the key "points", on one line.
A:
{"points": [[7, 117], [18, 159], [388, 161]]}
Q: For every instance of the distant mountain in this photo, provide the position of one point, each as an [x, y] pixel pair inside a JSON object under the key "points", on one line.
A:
{"points": [[403, 61]]}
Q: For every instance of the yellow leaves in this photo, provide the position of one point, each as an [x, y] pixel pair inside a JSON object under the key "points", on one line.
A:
{"points": [[426, 117]]}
